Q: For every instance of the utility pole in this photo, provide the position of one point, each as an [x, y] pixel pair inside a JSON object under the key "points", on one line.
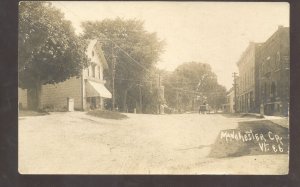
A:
{"points": [[235, 85], [141, 104], [177, 94], [113, 76], [159, 94]]}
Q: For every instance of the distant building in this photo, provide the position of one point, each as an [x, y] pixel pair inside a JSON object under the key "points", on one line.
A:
{"points": [[228, 107], [87, 91], [274, 73], [248, 78]]}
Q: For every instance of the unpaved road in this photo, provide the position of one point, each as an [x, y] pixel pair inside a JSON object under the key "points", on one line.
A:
{"points": [[76, 143]]}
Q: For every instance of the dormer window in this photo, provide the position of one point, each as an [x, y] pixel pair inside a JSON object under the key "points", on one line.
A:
{"points": [[92, 53]]}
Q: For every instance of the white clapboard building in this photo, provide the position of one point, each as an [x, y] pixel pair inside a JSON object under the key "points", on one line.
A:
{"points": [[86, 92]]}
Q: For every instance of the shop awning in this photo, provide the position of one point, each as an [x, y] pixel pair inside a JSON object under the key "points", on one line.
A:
{"points": [[95, 89]]}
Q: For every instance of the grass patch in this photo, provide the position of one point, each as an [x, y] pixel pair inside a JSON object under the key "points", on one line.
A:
{"points": [[107, 114], [23, 113]]}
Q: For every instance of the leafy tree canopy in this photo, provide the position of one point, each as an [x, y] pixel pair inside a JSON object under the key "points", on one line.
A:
{"points": [[193, 80], [136, 52], [49, 50]]}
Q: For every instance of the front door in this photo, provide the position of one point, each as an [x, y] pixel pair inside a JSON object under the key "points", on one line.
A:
{"points": [[32, 99], [93, 102]]}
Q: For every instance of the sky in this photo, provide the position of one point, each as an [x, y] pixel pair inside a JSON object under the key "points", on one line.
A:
{"points": [[216, 33]]}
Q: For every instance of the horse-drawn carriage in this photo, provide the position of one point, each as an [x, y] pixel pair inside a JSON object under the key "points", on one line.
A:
{"points": [[204, 109]]}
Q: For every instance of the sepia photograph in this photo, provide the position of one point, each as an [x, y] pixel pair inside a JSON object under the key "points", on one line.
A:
{"points": [[153, 88]]}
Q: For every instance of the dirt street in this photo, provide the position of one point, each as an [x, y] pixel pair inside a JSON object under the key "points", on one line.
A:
{"points": [[76, 143]]}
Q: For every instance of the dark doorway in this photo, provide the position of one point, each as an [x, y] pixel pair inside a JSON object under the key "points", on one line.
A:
{"points": [[32, 99]]}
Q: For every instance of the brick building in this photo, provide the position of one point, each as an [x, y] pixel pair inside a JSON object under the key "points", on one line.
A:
{"points": [[88, 90], [248, 91], [274, 73]]}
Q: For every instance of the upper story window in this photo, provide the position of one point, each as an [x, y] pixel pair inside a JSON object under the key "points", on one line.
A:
{"points": [[273, 89], [93, 53], [93, 71], [99, 72]]}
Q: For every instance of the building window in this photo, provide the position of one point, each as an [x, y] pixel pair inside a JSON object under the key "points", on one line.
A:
{"points": [[93, 71], [93, 53], [273, 89], [277, 60], [265, 90], [99, 72]]}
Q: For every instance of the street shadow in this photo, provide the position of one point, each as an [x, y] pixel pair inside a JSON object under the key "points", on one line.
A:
{"points": [[237, 115], [231, 115], [24, 113], [261, 137]]}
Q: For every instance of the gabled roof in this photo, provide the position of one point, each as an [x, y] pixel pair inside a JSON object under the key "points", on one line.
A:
{"points": [[96, 45]]}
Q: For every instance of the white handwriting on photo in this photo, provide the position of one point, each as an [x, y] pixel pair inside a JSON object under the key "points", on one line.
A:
{"points": [[267, 142]]}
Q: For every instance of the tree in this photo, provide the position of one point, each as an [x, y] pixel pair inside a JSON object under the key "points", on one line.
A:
{"points": [[49, 50], [136, 52], [191, 84], [217, 97]]}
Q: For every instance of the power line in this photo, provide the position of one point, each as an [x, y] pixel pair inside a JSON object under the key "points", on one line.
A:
{"points": [[172, 87], [107, 38], [133, 60], [138, 63], [141, 66], [161, 81], [132, 80]]}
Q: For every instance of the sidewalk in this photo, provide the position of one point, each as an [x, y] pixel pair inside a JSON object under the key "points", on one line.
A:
{"points": [[279, 120], [256, 115]]}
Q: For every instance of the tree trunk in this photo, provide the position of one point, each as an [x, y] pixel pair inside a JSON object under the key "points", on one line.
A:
{"points": [[34, 96], [39, 95], [31, 99], [193, 104], [125, 101]]}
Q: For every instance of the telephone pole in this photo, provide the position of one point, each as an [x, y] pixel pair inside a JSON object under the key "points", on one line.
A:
{"points": [[141, 102], [235, 85], [113, 76], [177, 94], [159, 94]]}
